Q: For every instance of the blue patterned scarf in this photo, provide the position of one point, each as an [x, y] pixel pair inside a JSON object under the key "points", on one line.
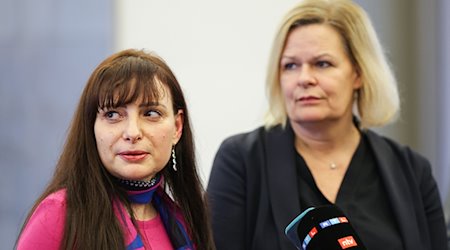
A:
{"points": [[166, 208]]}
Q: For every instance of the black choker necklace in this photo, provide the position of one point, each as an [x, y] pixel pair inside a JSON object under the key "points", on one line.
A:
{"points": [[139, 185]]}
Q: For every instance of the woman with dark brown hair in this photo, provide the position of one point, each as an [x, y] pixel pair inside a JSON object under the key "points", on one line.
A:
{"points": [[127, 176]]}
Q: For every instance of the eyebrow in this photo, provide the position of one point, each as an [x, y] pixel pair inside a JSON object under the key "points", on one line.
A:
{"points": [[326, 54], [151, 104]]}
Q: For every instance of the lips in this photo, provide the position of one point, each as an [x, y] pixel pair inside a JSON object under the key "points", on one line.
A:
{"points": [[133, 156], [308, 98]]}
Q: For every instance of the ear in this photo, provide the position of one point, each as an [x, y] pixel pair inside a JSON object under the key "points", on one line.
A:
{"points": [[357, 83], [179, 121]]}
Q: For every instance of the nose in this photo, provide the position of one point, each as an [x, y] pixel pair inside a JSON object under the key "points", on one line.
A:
{"points": [[132, 131], [306, 77]]}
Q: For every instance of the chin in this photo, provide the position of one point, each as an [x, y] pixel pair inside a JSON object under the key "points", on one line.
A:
{"points": [[309, 118], [135, 176]]}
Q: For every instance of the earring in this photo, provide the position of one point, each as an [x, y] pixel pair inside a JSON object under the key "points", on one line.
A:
{"points": [[174, 159]]}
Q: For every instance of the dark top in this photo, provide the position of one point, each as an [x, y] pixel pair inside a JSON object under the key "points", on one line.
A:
{"points": [[362, 197], [253, 191]]}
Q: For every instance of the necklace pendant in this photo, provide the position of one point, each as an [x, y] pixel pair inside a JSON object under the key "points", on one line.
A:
{"points": [[333, 165]]}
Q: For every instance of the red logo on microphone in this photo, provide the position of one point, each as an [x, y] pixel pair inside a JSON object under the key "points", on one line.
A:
{"points": [[312, 232], [347, 242], [343, 219]]}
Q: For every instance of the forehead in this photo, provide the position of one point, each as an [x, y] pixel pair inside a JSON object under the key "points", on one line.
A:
{"points": [[135, 90], [314, 38]]}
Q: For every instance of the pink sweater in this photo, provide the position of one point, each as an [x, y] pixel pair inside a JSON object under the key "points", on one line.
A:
{"points": [[45, 227]]}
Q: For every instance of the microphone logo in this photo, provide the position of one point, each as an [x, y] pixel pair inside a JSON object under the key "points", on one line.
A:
{"points": [[323, 227], [347, 242], [343, 219]]}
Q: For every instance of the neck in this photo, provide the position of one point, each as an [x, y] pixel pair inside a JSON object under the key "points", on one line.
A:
{"points": [[330, 146], [325, 136], [143, 212]]}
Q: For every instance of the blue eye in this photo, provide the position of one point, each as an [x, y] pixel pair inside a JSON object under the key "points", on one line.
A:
{"points": [[289, 66], [323, 64]]}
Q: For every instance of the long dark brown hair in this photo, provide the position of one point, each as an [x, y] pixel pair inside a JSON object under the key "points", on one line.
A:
{"points": [[90, 221]]}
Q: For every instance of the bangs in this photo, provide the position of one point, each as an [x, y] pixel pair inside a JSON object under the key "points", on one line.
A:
{"points": [[129, 80]]}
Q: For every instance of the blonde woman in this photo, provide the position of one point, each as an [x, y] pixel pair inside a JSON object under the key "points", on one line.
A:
{"points": [[328, 83]]}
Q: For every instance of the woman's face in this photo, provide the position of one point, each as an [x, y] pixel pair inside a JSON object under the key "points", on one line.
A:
{"points": [[316, 75], [135, 141]]}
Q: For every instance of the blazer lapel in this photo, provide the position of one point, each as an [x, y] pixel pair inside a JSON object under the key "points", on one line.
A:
{"points": [[282, 178], [397, 190]]}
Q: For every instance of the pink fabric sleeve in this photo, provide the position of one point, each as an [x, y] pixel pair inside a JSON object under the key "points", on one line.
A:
{"points": [[45, 228]]}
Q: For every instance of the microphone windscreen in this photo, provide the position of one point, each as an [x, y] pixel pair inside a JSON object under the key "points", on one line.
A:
{"points": [[323, 227]]}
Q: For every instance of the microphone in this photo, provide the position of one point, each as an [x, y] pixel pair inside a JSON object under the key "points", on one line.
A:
{"points": [[323, 227]]}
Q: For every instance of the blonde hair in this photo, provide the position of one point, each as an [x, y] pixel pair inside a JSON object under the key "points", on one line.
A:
{"points": [[377, 101]]}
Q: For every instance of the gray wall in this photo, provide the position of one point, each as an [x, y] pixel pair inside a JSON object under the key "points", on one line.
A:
{"points": [[411, 33], [47, 50]]}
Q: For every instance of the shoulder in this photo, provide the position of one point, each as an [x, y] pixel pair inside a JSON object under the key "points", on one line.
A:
{"points": [[51, 208], [389, 145], [244, 154], [247, 138], [251, 139], [57, 198], [45, 227], [236, 154], [400, 156], [238, 145]]}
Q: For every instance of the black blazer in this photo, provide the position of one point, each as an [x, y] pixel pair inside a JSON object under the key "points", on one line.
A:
{"points": [[253, 191]]}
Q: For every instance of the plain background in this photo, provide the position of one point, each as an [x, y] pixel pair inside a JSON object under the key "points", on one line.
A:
{"points": [[217, 49]]}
